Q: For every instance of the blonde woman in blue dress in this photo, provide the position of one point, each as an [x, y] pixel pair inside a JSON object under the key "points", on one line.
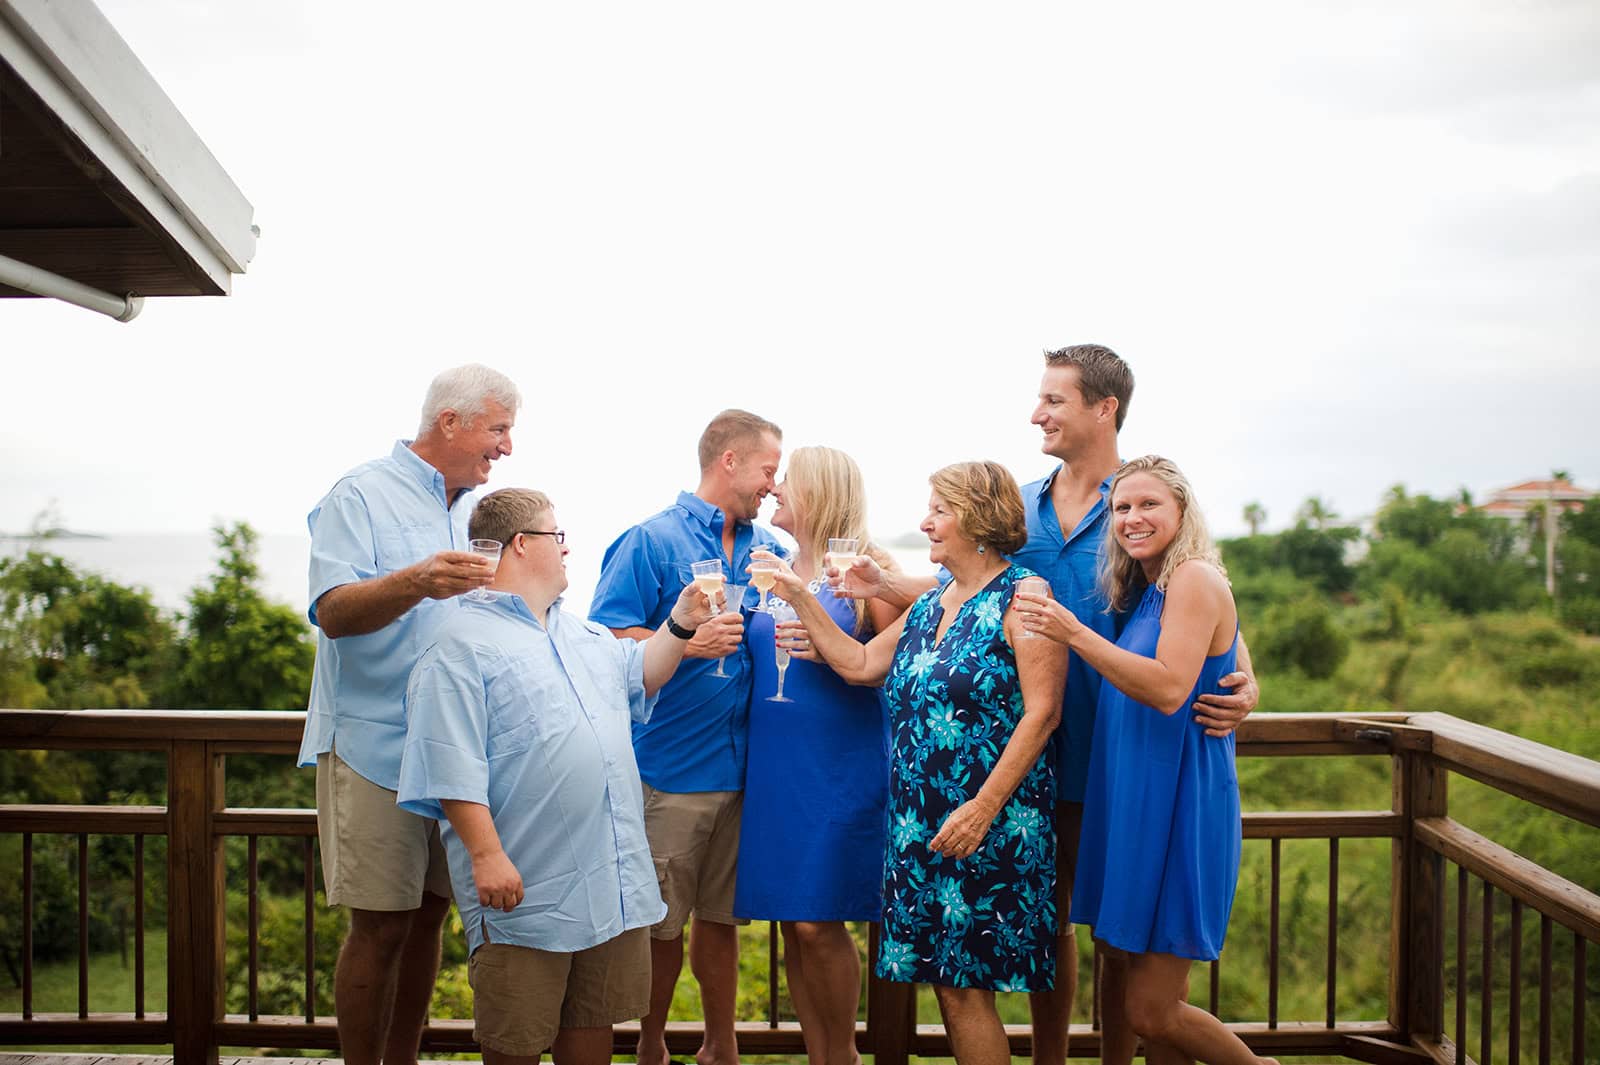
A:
{"points": [[1158, 860], [817, 774]]}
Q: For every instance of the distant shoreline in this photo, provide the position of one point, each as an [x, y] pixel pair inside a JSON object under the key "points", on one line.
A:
{"points": [[54, 534]]}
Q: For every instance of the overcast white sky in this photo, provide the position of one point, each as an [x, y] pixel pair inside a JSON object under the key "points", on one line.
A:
{"points": [[1342, 245]]}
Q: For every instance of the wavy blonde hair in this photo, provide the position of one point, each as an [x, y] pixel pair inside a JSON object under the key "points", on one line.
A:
{"points": [[828, 487], [1121, 577]]}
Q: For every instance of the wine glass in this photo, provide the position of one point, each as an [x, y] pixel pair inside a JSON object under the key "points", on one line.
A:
{"points": [[1033, 586], [781, 611], [841, 553], [709, 579], [764, 575], [489, 549]]}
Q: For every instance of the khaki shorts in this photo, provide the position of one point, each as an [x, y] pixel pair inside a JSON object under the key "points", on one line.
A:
{"points": [[1069, 827], [375, 856], [694, 838], [522, 996]]}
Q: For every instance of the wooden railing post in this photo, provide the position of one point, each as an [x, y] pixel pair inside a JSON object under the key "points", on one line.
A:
{"points": [[891, 1013], [1416, 937], [195, 914]]}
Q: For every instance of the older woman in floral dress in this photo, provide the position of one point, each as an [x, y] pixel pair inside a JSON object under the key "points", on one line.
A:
{"points": [[969, 872]]}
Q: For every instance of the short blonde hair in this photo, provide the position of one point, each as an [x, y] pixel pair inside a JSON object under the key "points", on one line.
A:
{"points": [[987, 504], [1121, 576], [733, 429], [502, 514]]}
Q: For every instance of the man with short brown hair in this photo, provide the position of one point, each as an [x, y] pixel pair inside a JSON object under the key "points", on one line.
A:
{"points": [[691, 753]]}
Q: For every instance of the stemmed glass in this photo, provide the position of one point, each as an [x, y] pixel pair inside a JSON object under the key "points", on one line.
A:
{"points": [[841, 553], [764, 575], [1033, 586], [781, 611], [709, 579], [489, 549]]}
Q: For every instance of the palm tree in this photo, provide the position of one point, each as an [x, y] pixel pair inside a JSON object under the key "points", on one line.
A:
{"points": [[1316, 512], [1255, 516]]}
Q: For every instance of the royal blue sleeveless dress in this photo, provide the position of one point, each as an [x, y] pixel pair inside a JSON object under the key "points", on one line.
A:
{"points": [[811, 838], [988, 920], [1158, 859]]}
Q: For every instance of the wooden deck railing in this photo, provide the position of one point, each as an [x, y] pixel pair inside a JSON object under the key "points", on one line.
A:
{"points": [[1425, 749]]}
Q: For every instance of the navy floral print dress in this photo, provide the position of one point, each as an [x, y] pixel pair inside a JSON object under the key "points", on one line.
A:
{"points": [[988, 920]]}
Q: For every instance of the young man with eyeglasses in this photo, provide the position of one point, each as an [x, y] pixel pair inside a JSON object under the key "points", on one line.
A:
{"points": [[518, 735]]}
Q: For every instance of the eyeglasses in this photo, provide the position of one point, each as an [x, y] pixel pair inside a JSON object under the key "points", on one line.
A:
{"points": [[559, 534]]}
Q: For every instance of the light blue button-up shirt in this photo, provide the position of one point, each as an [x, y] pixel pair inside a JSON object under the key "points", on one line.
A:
{"points": [[379, 518], [1071, 563], [531, 718], [696, 739]]}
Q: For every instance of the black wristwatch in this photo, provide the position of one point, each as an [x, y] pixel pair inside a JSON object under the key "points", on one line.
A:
{"points": [[678, 630]]}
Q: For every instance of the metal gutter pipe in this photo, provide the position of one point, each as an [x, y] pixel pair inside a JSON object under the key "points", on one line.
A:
{"points": [[19, 274]]}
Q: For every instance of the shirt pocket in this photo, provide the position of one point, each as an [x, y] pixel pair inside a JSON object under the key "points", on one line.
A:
{"points": [[538, 710], [399, 546]]}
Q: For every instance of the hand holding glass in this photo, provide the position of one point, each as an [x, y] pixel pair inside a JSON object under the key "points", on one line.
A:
{"points": [[1033, 586], [488, 549], [841, 553], [709, 579]]}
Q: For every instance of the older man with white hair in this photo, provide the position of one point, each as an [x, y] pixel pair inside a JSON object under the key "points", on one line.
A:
{"points": [[388, 556]]}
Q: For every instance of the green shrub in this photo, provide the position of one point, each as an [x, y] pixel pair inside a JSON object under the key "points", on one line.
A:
{"points": [[1301, 635], [1582, 612]]}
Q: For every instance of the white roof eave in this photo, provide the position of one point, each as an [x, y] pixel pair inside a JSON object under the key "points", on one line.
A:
{"points": [[74, 59]]}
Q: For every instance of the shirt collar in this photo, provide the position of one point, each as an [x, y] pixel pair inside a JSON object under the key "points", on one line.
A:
{"points": [[426, 475], [708, 514], [513, 604], [1050, 480]]}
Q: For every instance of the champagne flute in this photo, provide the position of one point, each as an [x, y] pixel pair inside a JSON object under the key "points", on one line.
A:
{"points": [[781, 612], [764, 575], [1033, 586], [841, 553], [709, 579], [489, 549]]}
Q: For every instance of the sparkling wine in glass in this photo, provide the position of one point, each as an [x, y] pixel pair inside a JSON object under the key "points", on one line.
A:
{"points": [[842, 551], [764, 575], [709, 579], [489, 549], [1033, 586]]}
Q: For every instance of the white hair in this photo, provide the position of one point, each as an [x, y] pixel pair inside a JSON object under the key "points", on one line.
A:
{"points": [[465, 390]]}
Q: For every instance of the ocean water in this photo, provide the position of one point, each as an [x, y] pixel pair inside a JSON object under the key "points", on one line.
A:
{"points": [[169, 566]]}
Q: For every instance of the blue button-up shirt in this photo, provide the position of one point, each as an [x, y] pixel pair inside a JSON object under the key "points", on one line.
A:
{"points": [[695, 740], [379, 518], [1072, 566], [530, 718]]}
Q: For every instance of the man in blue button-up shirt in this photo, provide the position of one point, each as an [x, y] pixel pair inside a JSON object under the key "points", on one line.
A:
{"points": [[517, 731], [691, 752], [1083, 399], [388, 556]]}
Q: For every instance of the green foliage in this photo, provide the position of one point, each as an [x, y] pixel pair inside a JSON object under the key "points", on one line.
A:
{"points": [[1301, 635], [73, 641], [243, 651], [1316, 556], [1581, 612]]}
